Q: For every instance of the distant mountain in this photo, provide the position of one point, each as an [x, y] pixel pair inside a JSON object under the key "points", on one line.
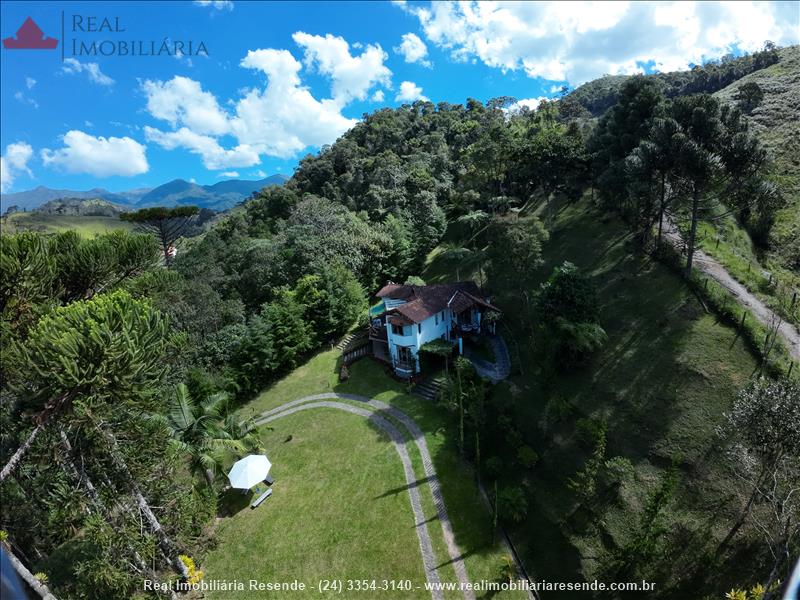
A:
{"points": [[34, 198], [219, 196], [84, 207]]}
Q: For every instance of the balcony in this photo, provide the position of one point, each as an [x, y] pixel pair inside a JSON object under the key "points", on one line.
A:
{"points": [[377, 333]]}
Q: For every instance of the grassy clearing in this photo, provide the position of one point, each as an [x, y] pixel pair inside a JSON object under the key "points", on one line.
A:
{"points": [[339, 488], [662, 382], [85, 226], [470, 519]]}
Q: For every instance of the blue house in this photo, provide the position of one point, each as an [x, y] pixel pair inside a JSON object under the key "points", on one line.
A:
{"points": [[410, 316]]}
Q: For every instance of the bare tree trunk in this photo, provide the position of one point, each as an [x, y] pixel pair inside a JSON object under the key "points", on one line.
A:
{"points": [[77, 473], [42, 419], [14, 461], [36, 585], [661, 209], [693, 231], [773, 576], [163, 540]]}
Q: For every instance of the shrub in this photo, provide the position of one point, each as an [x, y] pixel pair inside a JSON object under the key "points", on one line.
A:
{"points": [[512, 504], [527, 457], [589, 431]]}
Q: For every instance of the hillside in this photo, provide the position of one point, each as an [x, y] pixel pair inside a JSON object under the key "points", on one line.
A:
{"points": [[598, 95], [89, 207], [86, 226], [219, 196], [776, 123]]}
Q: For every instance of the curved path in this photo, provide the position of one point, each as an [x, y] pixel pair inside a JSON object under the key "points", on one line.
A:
{"points": [[711, 267], [374, 416]]}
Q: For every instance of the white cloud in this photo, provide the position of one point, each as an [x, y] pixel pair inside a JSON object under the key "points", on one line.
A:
{"points": [[182, 101], [217, 4], [378, 96], [413, 50], [351, 76], [529, 103], [578, 41], [284, 117], [409, 92], [20, 97], [228, 174], [214, 156], [280, 117], [14, 162], [30, 82], [260, 174], [92, 70], [98, 156]]}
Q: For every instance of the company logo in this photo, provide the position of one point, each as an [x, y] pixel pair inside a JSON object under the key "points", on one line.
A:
{"points": [[30, 37]]}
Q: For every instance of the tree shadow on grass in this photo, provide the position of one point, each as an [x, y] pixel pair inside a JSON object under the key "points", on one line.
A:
{"points": [[403, 488]]}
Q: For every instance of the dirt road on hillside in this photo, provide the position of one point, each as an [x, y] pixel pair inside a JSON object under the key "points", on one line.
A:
{"points": [[708, 265]]}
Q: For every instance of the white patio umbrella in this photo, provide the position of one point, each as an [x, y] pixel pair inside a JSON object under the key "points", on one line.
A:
{"points": [[249, 471]]}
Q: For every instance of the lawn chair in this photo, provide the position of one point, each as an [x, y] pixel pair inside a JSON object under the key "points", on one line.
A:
{"points": [[261, 498]]}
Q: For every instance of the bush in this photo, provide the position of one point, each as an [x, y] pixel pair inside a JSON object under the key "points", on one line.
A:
{"points": [[512, 504], [589, 431], [527, 457], [617, 470]]}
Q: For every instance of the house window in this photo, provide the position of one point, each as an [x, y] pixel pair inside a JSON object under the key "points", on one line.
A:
{"points": [[397, 329], [419, 328], [443, 316], [436, 319]]}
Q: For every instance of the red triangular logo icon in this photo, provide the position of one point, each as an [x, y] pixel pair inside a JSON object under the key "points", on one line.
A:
{"points": [[30, 37]]}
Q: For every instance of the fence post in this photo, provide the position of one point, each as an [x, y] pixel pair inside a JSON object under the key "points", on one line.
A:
{"points": [[744, 316]]}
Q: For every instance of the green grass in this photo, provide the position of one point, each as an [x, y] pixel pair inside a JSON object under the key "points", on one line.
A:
{"points": [[663, 381], [339, 488], [731, 246], [85, 226], [470, 519]]}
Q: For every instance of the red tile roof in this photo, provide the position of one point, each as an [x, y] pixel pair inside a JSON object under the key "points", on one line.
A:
{"points": [[424, 301]]}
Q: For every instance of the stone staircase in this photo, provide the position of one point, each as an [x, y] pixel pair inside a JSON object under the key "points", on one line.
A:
{"points": [[428, 389], [346, 340]]}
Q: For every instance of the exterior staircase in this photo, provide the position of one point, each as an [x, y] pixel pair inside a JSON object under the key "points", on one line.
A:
{"points": [[346, 340], [428, 389], [497, 370]]}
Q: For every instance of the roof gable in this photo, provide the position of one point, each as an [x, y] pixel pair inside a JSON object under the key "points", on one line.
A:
{"points": [[424, 301]]}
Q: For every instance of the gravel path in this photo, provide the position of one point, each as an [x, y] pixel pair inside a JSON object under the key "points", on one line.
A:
{"points": [[456, 557], [708, 265], [428, 555]]}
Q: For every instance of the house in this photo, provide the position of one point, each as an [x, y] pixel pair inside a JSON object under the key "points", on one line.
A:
{"points": [[410, 316]]}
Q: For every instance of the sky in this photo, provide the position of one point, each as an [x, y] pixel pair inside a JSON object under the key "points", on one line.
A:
{"points": [[138, 93]]}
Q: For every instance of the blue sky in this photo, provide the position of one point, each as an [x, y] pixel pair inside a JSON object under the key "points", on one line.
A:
{"points": [[280, 79]]}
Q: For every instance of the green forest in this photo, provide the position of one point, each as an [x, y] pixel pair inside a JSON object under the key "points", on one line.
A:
{"points": [[650, 427]]}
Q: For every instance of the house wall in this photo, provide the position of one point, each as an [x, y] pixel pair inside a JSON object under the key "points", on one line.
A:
{"points": [[414, 336]]}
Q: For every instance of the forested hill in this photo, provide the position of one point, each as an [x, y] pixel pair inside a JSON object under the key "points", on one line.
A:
{"points": [[599, 95], [612, 445]]}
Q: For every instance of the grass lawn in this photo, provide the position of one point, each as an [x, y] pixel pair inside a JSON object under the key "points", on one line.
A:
{"points": [[662, 382], [339, 509], [85, 226], [470, 519]]}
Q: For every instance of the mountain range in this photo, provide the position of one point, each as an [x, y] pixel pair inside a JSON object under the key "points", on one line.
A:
{"points": [[219, 196]]}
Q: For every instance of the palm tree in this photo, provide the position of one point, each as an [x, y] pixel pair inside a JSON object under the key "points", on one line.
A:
{"points": [[207, 431]]}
